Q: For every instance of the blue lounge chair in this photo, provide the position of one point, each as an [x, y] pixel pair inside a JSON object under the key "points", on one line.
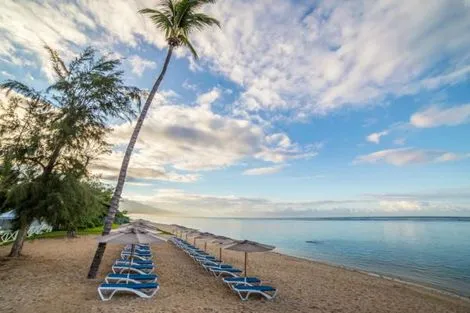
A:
{"points": [[143, 256], [139, 269], [208, 266], [232, 281], [107, 291], [137, 261], [136, 257], [221, 272], [131, 278], [132, 263], [244, 291]]}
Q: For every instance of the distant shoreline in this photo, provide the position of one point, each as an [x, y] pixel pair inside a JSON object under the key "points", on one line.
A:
{"points": [[344, 218]]}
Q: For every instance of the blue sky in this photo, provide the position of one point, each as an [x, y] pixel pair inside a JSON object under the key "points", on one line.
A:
{"points": [[294, 109]]}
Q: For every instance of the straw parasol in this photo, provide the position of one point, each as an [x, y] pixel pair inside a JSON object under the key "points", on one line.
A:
{"points": [[222, 241], [131, 235], [204, 236], [191, 232], [249, 247]]}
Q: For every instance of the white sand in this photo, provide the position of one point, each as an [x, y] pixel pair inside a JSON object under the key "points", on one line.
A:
{"points": [[51, 278]]}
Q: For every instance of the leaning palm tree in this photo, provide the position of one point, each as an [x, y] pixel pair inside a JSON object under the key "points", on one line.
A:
{"points": [[177, 19]]}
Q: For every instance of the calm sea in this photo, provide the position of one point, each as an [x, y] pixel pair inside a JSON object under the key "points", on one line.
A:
{"points": [[429, 251]]}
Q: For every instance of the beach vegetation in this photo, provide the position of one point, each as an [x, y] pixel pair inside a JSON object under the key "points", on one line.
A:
{"points": [[50, 137]]}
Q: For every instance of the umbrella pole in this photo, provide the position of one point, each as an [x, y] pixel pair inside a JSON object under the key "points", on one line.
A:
{"points": [[246, 254], [220, 253], [205, 246]]}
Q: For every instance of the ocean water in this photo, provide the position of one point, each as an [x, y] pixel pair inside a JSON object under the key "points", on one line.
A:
{"points": [[429, 251]]}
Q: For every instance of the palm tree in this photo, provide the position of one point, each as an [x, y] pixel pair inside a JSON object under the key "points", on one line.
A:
{"points": [[177, 19]]}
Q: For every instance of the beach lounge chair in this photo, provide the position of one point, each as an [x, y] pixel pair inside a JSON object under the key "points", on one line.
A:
{"points": [[221, 272], [251, 281], [127, 263], [107, 291], [244, 291], [127, 254], [139, 269], [138, 250], [136, 257], [136, 261], [131, 278], [208, 266]]}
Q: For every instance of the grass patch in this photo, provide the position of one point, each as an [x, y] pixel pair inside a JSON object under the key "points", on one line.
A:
{"points": [[165, 232], [63, 233]]}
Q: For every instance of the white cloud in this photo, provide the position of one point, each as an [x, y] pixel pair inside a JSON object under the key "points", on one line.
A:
{"points": [[187, 85], [8, 75], [193, 204], [435, 116], [108, 166], [405, 156], [139, 65], [343, 54], [375, 137], [26, 26], [196, 139], [400, 206], [399, 141], [206, 99], [263, 170], [169, 94]]}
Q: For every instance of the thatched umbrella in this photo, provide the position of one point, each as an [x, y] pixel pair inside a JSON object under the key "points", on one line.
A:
{"points": [[132, 235], [191, 232], [249, 247], [205, 237], [222, 241]]}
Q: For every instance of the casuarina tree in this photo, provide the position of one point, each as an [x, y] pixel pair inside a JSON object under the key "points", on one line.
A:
{"points": [[49, 137]]}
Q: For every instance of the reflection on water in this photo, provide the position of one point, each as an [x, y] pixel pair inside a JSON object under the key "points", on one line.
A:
{"points": [[436, 253]]}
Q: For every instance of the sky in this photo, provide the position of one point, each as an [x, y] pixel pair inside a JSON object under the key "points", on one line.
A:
{"points": [[295, 108]]}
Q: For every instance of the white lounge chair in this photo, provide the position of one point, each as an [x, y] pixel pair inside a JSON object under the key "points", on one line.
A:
{"points": [[244, 291], [131, 278], [107, 291], [232, 281], [139, 269], [221, 272]]}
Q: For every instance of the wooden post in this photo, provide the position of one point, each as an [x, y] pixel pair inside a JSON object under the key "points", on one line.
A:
{"points": [[246, 254]]}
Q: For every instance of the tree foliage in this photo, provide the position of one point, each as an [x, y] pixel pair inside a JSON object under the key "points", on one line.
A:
{"points": [[177, 19], [49, 137]]}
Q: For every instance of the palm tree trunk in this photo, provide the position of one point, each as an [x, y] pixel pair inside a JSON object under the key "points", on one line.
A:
{"points": [[114, 205], [19, 241]]}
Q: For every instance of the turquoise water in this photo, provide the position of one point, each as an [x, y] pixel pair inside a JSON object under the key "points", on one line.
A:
{"points": [[429, 251]]}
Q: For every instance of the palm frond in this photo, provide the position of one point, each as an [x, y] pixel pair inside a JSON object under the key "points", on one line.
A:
{"points": [[178, 18], [200, 21], [189, 45], [160, 19]]}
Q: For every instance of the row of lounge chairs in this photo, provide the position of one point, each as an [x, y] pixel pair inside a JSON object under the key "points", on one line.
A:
{"points": [[131, 275], [243, 286]]}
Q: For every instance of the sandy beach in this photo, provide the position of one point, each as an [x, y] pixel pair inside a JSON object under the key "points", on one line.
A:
{"points": [[51, 278]]}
